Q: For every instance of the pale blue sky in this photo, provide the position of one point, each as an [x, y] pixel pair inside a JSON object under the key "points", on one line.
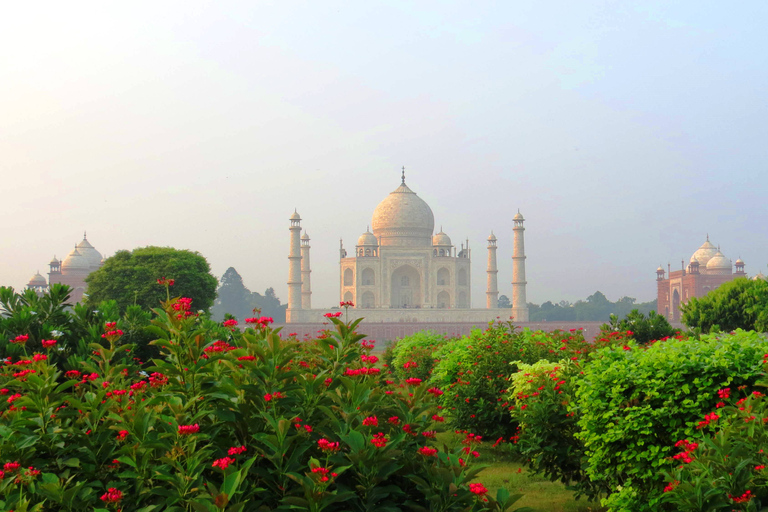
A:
{"points": [[624, 131]]}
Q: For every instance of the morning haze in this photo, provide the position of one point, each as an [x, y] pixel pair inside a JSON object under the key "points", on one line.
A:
{"points": [[624, 133]]}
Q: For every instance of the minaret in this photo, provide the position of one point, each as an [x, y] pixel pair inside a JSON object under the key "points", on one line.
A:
{"points": [[306, 290], [492, 294], [519, 304], [294, 267]]}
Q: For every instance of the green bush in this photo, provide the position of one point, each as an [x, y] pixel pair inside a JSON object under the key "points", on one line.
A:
{"points": [[636, 403], [222, 420], [413, 356], [643, 330], [738, 304], [474, 372], [725, 471]]}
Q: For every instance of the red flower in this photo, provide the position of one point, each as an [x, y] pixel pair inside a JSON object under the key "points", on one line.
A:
{"points": [[478, 489], [413, 381], [189, 429], [348, 303], [371, 421], [48, 343], [112, 495], [379, 441], [223, 463], [230, 323], [393, 420], [333, 315], [327, 446], [122, 435], [20, 339], [268, 397], [237, 450], [427, 451]]}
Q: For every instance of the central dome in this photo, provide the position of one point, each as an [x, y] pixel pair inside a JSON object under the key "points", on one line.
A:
{"points": [[403, 218]]}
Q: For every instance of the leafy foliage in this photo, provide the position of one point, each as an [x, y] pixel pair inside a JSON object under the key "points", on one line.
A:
{"points": [[222, 420], [131, 277], [644, 329], [636, 403], [738, 304], [413, 356], [596, 307], [235, 299]]}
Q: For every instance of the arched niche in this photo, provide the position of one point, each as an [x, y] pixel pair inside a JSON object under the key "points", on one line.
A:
{"points": [[406, 288]]}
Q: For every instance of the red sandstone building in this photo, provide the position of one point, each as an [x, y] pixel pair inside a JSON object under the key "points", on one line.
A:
{"points": [[707, 269]]}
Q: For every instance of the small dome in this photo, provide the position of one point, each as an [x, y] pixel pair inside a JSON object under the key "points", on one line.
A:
{"points": [[75, 261], [37, 280], [492, 237], [305, 236], [367, 238], [441, 239], [659, 269], [403, 218], [704, 253], [295, 215], [760, 275], [739, 261], [54, 261], [518, 216], [719, 262]]}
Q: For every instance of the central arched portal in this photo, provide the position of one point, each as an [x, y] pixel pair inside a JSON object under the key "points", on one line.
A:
{"points": [[675, 306], [406, 288]]}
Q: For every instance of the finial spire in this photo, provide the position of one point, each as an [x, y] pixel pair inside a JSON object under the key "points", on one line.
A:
{"points": [[403, 177], [707, 237], [85, 235]]}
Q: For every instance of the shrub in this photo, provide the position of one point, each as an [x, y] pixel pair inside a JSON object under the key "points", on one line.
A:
{"points": [[413, 356], [738, 304], [643, 330], [474, 372], [223, 419], [636, 403], [725, 471]]}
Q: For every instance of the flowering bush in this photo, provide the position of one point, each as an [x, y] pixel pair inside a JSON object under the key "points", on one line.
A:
{"points": [[726, 470], [636, 403], [221, 420], [474, 372], [413, 356]]}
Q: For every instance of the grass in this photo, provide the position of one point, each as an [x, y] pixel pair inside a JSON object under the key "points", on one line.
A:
{"points": [[538, 493]]}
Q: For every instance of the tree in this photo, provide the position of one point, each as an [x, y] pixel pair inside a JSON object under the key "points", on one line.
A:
{"points": [[738, 304], [232, 297], [644, 330], [130, 277], [504, 302], [269, 304]]}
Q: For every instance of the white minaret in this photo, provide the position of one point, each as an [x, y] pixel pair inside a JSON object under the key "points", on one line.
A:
{"points": [[519, 303], [306, 289], [294, 267], [492, 293]]}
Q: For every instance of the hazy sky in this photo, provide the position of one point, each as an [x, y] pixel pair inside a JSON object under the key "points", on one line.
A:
{"points": [[624, 132]]}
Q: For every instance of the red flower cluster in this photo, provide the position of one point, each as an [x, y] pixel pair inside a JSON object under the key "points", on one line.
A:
{"points": [[379, 441], [333, 315], [368, 344], [688, 448], [48, 343], [327, 446], [231, 323], [427, 451], [183, 305], [708, 419], [324, 472], [478, 489], [165, 282], [413, 381], [276, 395], [237, 450], [223, 463], [434, 391], [185, 430], [369, 359], [361, 371], [112, 335], [371, 421], [21, 339], [219, 346], [347, 304], [672, 485], [743, 498], [262, 321], [122, 435], [393, 420], [112, 495]]}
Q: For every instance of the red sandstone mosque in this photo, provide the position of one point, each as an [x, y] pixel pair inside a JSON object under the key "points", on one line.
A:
{"points": [[708, 268], [78, 264]]}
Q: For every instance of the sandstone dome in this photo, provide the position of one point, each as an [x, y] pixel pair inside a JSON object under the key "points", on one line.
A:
{"points": [[75, 261], [719, 264], [89, 252], [37, 280], [403, 218], [705, 253]]}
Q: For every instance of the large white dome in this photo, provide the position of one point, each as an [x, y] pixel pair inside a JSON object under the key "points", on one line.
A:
{"points": [[403, 218], [75, 262], [91, 255], [704, 253]]}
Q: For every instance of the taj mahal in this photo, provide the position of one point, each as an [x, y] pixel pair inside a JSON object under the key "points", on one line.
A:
{"points": [[401, 271]]}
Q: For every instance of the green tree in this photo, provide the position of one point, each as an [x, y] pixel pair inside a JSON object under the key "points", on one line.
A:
{"points": [[644, 329], [738, 304], [232, 297], [269, 304], [130, 277], [504, 302]]}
